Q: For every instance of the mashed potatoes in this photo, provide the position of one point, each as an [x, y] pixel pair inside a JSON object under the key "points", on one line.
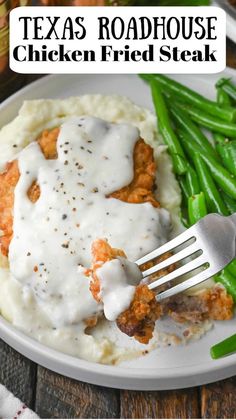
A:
{"points": [[18, 303]]}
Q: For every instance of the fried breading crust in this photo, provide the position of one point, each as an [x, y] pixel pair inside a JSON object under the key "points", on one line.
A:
{"points": [[8, 181], [212, 303], [139, 319], [219, 304], [101, 253], [140, 190]]}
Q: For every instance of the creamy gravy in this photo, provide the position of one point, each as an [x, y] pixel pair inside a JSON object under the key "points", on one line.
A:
{"points": [[118, 279], [52, 237]]}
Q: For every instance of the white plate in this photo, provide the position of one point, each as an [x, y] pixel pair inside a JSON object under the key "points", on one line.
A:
{"points": [[168, 368], [230, 23]]}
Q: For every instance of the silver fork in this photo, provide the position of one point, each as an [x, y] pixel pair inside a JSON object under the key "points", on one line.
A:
{"points": [[211, 244]]}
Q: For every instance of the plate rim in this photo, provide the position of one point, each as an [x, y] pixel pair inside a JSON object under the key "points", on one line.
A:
{"points": [[230, 23], [101, 374]]}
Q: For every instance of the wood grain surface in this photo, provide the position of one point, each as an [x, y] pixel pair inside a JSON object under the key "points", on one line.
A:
{"points": [[218, 400], [177, 404], [18, 374], [54, 396], [58, 396]]}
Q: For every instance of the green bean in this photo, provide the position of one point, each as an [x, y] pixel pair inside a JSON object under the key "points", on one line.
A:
{"points": [[219, 138], [182, 120], [228, 87], [184, 220], [223, 98], [196, 208], [223, 348], [192, 97], [232, 268], [184, 200], [229, 202], [210, 122], [192, 181], [228, 281], [214, 202], [227, 151], [189, 146], [221, 176], [231, 146], [177, 160], [184, 189], [169, 137]]}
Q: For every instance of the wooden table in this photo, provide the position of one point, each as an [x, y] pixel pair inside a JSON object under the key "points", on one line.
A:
{"points": [[54, 396]]}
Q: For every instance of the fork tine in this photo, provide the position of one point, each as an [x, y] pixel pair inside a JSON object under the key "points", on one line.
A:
{"points": [[186, 252], [185, 285], [179, 240], [184, 269]]}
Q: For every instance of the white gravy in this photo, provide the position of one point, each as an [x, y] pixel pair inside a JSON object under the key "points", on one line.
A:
{"points": [[52, 237], [118, 279]]}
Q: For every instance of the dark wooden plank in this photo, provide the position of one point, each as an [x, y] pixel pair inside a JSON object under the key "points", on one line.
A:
{"points": [[18, 374], [163, 404], [15, 82], [218, 400], [231, 53], [61, 397]]}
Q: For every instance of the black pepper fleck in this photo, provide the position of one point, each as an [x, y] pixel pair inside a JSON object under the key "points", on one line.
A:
{"points": [[66, 245]]}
